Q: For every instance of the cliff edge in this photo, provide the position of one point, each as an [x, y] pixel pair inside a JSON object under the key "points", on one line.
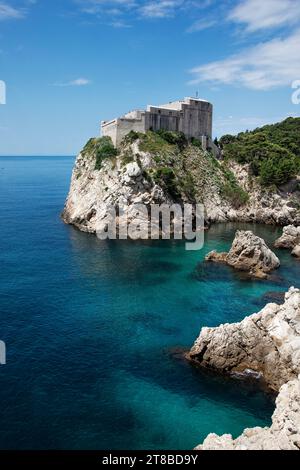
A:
{"points": [[162, 167]]}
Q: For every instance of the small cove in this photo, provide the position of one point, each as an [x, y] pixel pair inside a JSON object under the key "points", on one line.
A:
{"points": [[91, 327]]}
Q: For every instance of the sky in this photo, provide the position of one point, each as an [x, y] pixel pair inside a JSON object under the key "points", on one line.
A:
{"points": [[68, 64]]}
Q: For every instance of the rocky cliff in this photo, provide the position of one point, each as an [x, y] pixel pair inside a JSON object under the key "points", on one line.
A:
{"points": [[164, 168], [265, 344]]}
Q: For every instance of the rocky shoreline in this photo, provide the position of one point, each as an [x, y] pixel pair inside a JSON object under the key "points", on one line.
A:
{"points": [[290, 239], [265, 346]]}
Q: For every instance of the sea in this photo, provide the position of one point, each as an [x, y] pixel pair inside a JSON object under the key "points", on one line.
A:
{"points": [[95, 331]]}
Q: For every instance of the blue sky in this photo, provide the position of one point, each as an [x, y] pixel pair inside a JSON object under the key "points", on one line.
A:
{"points": [[68, 64]]}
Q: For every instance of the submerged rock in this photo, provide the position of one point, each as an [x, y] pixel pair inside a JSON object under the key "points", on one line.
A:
{"points": [[273, 296], [283, 434], [248, 253]]}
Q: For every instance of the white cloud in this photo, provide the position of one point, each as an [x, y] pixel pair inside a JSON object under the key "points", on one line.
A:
{"points": [[268, 65], [8, 12], [120, 24], [265, 14], [160, 9], [201, 25], [77, 82], [136, 9]]}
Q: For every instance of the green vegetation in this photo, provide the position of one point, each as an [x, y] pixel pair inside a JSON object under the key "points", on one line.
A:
{"points": [[174, 138], [104, 149], [127, 157], [188, 186], [278, 169], [272, 151], [231, 190], [196, 142], [131, 137], [165, 177], [154, 143], [99, 148], [162, 142], [168, 152]]}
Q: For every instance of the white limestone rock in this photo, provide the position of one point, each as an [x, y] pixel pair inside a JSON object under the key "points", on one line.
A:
{"points": [[248, 253], [264, 206], [93, 191], [266, 343], [296, 251], [290, 237]]}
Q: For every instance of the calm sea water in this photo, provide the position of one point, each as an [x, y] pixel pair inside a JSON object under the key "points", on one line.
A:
{"points": [[92, 328]]}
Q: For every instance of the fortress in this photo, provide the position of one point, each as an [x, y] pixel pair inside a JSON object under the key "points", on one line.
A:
{"points": [[191, 116]]}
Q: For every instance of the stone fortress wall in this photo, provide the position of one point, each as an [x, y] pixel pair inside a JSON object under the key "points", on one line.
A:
{"points": [[191, 116]]}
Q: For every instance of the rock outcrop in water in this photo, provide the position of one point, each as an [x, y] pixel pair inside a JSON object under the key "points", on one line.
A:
{"points": [[283, 434], [248, 253], [290, 239], [155, 169], [296, 251], [265, 345]]}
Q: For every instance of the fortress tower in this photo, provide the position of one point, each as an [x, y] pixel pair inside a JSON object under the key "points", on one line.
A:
{"points": [[191, 116]]}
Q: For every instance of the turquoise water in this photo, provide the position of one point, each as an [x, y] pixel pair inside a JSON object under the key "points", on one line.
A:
{"points": [[94, 330]]}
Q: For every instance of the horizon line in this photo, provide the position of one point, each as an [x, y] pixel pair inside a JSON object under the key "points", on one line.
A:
{"points": [[38, 155]]}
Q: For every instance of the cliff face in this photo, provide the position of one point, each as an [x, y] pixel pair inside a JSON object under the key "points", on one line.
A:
{"points": [[264, 345], [152, 168]]}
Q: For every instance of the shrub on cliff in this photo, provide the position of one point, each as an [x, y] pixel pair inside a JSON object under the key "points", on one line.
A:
{"points": [[174, 138], [232, 191], [165, 177], [104, 149], [100, 149]]}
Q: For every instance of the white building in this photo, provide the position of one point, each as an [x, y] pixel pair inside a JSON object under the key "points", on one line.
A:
{"points": [[191, 116]]}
